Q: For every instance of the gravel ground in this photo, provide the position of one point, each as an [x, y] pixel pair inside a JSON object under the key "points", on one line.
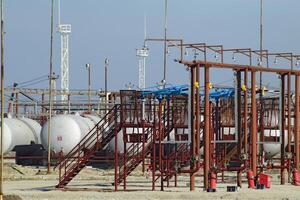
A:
{"points": [[33, 183]]}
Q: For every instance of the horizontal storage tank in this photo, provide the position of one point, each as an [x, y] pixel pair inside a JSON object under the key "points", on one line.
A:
{"points": [[111, 145], [67, 131], [273, 149], [35, 127], [20, 131]]}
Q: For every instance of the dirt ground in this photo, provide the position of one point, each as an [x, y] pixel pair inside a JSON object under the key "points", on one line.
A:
{"points": [[33, 183]]}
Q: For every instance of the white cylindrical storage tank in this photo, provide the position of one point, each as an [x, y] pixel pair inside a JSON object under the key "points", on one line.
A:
{"points": [[272, 149], [229, 130], [111, 144], [66, 132], [35, 126], [20, 132], [94, 118], [7, 138]]}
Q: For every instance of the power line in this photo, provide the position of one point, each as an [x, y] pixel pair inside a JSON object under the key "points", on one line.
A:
{"points": [[34, 83], [34, 79]]}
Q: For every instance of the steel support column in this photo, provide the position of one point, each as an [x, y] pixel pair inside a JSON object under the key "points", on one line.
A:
{"points": [[253, 124], [193, 127], [282, 171], [160, 136], [154, 149], [124, 159], [289, 112], [116, 150], [197, 120], [246, 112], [206, 127], [296, 146], [43, 118], [239, 123], [289, 121], [17, 105]]}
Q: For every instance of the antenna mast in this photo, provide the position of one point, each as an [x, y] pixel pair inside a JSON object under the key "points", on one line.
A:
{"points": [[64, 30], [143, 53]]}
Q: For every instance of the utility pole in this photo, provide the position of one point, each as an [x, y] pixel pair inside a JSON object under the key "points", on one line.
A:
{"points": [[106, 63], [261, 132], [261, 43], [2, 101], [88, 67], [50, 88], [164, 81]]}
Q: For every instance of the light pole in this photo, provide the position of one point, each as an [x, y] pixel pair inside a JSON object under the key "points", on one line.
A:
{"points": [[106, 63], [164, 81], [88, 67], [261, 41], [261, 148], [2, 100], [129, 86], [50, 88]]}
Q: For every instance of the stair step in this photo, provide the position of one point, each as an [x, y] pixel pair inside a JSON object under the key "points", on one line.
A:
{"points": [[108, 135]]}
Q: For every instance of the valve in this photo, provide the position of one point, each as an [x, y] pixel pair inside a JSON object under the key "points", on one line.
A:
{"points": [[244, 88], [196, 84]]}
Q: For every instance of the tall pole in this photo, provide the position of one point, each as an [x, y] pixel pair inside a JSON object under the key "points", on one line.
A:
{"points": [[261, 43], [260, 78], [297, 101], [261, 40], [193, 127], [206, 129], [105, 81], [165, 45], [253, 125], [58, 13], [2, 100], [283, 127], [143, 54], [88, 67], [106, 62], [50, 88]]}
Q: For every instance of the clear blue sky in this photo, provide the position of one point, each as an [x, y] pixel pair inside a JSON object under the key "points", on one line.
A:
{"points": [[114, 29]]}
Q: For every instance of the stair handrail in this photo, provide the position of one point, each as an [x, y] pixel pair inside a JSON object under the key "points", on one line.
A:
{"points": [[88, 135], [148, 149], [73, 165]]}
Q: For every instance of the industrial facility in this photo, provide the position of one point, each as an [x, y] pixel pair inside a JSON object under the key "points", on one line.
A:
{"points": [[199, 136]]}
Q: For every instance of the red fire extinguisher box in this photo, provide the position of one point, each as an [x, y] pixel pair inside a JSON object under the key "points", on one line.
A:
{"points": [[265, 179]]}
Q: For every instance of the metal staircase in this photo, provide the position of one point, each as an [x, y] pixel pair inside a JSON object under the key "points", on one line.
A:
{"points": [[181, 158], [134, 152], [178, 159], [96, 139], [232, 150]]}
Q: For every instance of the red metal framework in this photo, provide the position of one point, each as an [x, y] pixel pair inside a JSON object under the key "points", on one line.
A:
{"points": [[155, 130], [164, 134], [290, 158]]}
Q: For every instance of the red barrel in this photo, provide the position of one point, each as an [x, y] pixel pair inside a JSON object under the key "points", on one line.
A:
{"points": [[213, 180], [250, 177], [264, 180], [296, 177]]}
